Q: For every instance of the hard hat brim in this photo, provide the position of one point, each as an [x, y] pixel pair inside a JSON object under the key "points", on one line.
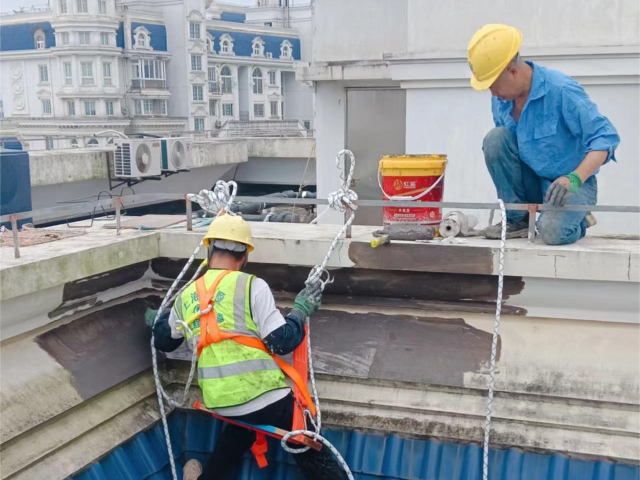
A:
{"points": [[483, 85]]}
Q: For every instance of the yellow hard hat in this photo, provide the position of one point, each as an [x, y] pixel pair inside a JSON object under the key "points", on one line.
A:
{"points": [[229, 227], [490, 50]]}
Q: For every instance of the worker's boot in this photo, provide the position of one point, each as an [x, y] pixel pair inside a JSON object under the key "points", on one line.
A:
{"points": [[192, 470], [590, 219], [517, 229]]}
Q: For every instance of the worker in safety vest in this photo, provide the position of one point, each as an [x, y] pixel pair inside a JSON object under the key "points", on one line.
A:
{"points": [[549, 138], [238, 381]]}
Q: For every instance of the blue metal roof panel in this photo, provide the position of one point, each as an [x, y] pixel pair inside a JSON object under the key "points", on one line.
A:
{"points": [[242, 43], [233, 17], [157, 32], [20, 36], [370, 456]]}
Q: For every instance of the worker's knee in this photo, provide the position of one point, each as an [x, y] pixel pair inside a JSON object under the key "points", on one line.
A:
{"points": [[554, 231], [496, 142]]}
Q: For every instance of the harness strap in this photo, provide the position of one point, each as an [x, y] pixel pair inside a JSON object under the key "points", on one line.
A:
{"points": [[259, 448], [209, 331]]}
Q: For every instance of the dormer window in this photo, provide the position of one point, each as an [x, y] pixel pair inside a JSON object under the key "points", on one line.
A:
{"points": [[142, 38], [38, 40], [286, 49], [257, 46], [226, 44], [210, 44]]}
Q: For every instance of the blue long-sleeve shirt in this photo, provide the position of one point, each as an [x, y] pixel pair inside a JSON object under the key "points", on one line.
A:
{"points": [[558, 125]]}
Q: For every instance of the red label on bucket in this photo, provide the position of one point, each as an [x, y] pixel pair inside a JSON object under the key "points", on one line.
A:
{"points": [[411, 187]]}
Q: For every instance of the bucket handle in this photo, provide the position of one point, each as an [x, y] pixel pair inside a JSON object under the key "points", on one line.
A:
{"points": [[405, 197]]}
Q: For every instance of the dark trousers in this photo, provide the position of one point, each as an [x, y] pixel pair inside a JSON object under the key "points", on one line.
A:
{"points": [[235, 441]]}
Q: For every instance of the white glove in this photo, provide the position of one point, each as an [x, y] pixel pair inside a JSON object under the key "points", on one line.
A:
{"points": [[173, 323]]}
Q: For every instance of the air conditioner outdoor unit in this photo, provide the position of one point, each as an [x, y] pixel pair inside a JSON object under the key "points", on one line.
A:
{"points": [[269, 55], [176, 154], [139, 157]]}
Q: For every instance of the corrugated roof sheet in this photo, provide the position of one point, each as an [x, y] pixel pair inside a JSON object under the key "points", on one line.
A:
{"points": [[370, 456]]}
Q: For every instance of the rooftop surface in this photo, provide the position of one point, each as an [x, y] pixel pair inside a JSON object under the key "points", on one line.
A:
{"points": [[399, 346]]}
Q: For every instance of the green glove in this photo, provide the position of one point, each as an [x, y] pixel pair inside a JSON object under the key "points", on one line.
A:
{"points": [[149, 315], [308, 300]]}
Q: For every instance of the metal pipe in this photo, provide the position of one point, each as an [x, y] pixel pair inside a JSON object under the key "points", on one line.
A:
{"points": [[533, 208], [118, 202], [16, 239], [142, 199], [189, 214]]}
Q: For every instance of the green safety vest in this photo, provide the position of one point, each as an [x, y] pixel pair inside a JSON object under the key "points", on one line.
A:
{"points": [[229, 373]]}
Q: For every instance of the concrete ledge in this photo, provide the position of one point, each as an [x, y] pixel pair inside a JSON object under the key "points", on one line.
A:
{"points": [[51, 264], [281, 147]]}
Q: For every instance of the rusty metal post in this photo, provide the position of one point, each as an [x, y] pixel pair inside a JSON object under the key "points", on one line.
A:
{"points": [[16, 239], [347, 214], [189, 213], [118, 202], [533, 209]]}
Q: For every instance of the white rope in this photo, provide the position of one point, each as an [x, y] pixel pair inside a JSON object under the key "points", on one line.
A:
{"points": [[494, 346], [339, 200], [221, 198]]}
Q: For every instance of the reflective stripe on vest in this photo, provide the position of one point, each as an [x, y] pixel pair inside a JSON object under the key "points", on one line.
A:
{"points": [[245, 366], [229, 372]]}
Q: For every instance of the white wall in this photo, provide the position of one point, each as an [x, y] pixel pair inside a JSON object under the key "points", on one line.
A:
{"points": [[298, 99], [448, 26], [179, 66], [330, 139], [358, 29], [455, 120]]}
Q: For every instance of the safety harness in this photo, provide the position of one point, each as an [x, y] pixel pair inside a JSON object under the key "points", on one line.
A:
{"points": [[210, 334]]}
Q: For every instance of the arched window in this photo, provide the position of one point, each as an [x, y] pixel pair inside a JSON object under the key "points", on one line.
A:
{"points": [[38, 39], [257, 47], [141, 40], [286, 49], [92, 143], [257, 80], [209, 45], [226, 44], [225, 77], [74, 143]]}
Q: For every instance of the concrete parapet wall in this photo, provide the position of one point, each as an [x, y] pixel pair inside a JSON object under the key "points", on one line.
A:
{"points": [[54, 167], [50, 167]]}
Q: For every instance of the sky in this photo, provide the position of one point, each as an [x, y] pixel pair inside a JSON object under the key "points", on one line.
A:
{"points": [[9, 5]]}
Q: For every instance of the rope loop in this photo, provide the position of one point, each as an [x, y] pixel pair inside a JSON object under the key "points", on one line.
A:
{"points": [[216, 201]]}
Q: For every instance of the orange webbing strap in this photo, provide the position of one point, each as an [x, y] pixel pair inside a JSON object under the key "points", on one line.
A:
{"points": [[259, 448], [209, 331], [300, 364]]}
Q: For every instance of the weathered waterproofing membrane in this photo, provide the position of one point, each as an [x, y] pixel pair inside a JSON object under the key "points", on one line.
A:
{"points": [[397, 350]]}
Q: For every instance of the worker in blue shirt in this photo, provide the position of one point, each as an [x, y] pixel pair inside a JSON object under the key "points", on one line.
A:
{"points": [[549, 138]]}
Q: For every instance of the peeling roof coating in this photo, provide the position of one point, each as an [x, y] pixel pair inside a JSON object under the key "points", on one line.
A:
{"points": [[242, 43], [20, 36], [370, 456], [233, 17], [157, 32]]}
